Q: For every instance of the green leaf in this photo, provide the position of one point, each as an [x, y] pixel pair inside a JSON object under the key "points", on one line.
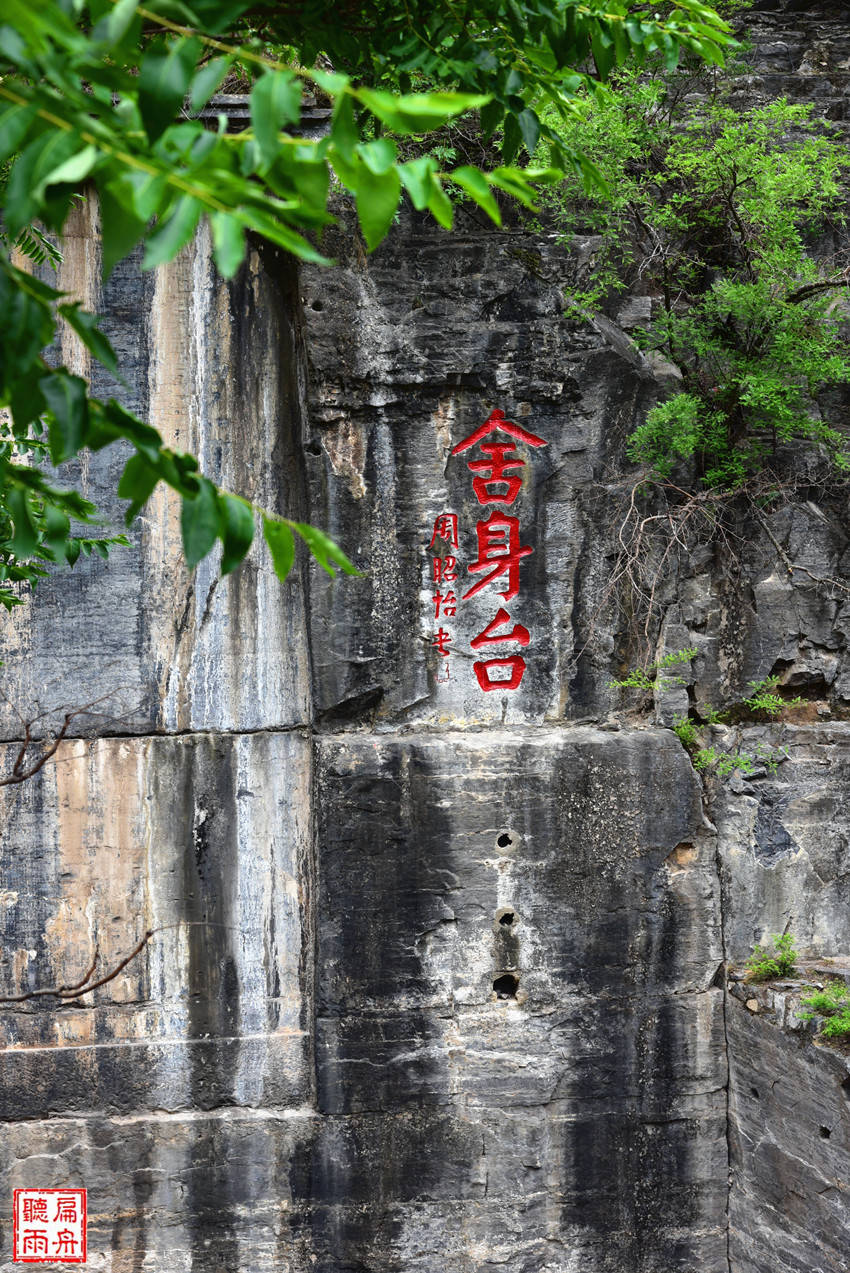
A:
{"points": [[228, 243], [281, 544], [603, 51], [144, 437], [379, 155], [57, 527], [200, 522], [26, 402], [345, 134], [418, 112], [491, 117], [164, 76], [473, 181], [86, 327], [67, 401], [141, 193], [416, 178], [121, 229], [14, 125], [331, 82], [115, 24], [274, 229], [207, 81], [24, 541], [513, 182], [238, 521], [174, 234], [377, 201], [529, 126], [73, 169], [439, 204], [29, 176], [275, 101], [137, 484], [328, 554]]}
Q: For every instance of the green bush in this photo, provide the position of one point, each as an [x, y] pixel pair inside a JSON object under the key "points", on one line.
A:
{"points": [[763, 697], [833, 1002], [652, 678], [834, 998], [764, 964], [712, 213]]}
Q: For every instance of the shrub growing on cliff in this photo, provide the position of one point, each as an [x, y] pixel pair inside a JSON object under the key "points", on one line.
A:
{"points": [[111, 93], [833, 1003], [713, 216], [763, 964], [763, 699]]}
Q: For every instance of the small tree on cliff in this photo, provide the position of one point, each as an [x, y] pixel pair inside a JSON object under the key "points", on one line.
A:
{"points": [[110, 93]]}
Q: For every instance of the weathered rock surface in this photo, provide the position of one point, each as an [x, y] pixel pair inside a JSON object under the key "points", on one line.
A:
{"points": [[436, 973], [789, 1137], [216, 367]]}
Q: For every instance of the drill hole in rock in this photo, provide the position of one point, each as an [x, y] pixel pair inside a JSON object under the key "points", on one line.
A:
{"points": [[825, 1133], [504, 841], [507, 918], [506, 986]]}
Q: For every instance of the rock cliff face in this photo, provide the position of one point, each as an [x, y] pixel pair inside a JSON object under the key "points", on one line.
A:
{"points": [[436, 974]]}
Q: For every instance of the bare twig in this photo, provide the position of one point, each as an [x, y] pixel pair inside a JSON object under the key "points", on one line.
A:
{"points": [[80, 988], [77, 989], [21, 771]]}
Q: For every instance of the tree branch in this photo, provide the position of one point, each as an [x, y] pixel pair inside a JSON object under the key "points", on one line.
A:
{"points": [[811, 288], [80, 988]]}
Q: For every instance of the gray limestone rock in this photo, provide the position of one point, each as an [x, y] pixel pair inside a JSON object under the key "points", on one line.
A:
{"points": [[436, 974]]}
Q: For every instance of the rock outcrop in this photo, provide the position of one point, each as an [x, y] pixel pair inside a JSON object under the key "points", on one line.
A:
{"points": [[436, 973]]}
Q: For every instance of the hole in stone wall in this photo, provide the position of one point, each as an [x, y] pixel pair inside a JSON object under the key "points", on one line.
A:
{"points": [[507, 918], [506, 986], [845, 1087], [504, 841], [825, 1133], [317, 306], [756, 1093], [313, 448]]}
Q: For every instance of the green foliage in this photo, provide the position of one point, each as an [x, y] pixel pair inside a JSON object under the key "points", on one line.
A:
{"points": [[834, 998], [710, 759], [724, 763], [764, 964], [711, 212], [651, 679], [764, 699], [833, 1003], [109, 94], [837, 1027], [686, 731]]}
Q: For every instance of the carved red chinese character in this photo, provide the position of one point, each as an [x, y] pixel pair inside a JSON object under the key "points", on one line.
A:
{"points": [[445, 571], [447, 601], [496, 422], [495, 474], [445, 528], [518, 633], [499, 553], [515, 662], [442, 641]]}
